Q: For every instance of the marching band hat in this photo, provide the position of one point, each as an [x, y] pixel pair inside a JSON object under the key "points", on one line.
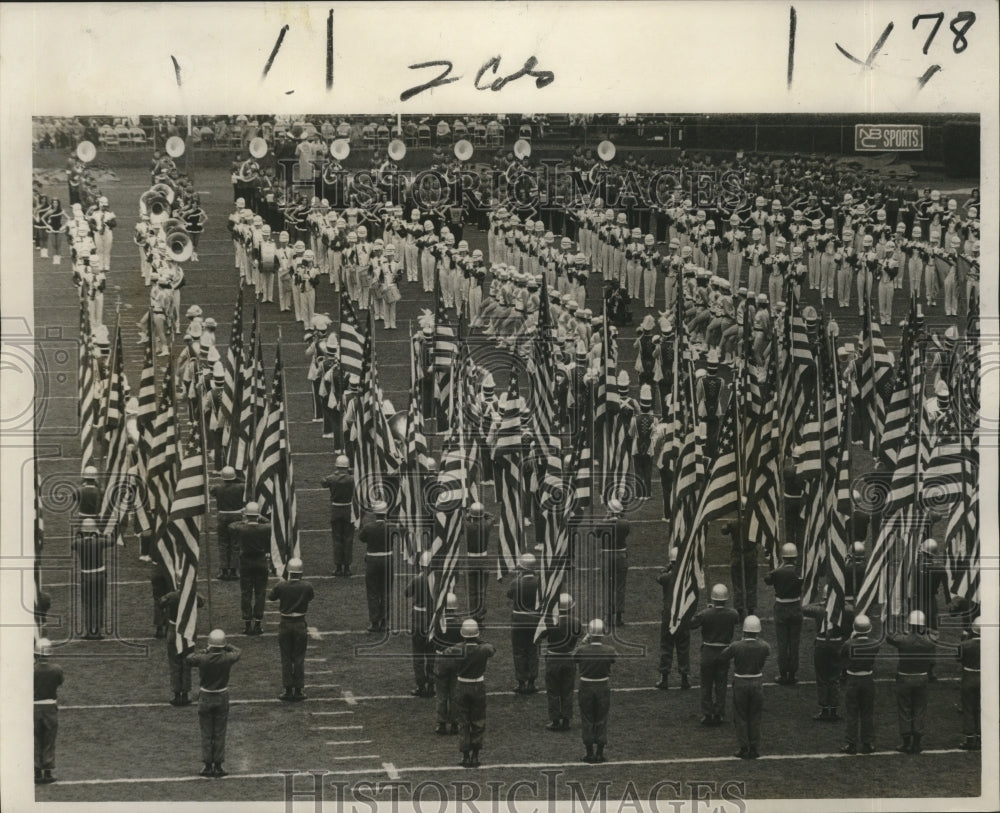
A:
{"points": [[218, 371], [647, 324], [645, 395]]}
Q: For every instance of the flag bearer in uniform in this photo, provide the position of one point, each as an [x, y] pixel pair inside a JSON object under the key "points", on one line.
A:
{"points": [[470, 658], [594, 660], [252, 539], [560, 669], [214, 665], [523, 592], [748, 658], [180, 670], [89, 546], [293, 596], [968, 656], [48, 677], [858, 655], [826, 659], [679, 641], [419, 591], [787, 612], [446, 635], [718, 624], [341, 485], [478, 525], [229, 500], [375, 534], [916, 653]]}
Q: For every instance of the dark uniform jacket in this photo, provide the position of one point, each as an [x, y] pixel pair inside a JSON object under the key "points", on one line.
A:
{"points": [[523, 591], [214, 666], [472, 656], [594, 660], [562, 635], [229, 496], [254, 539], [859, 653], [748, 656], [718, 624], [293, 596], [916, 651], [48, 679], [376, 535], [786, 582]]}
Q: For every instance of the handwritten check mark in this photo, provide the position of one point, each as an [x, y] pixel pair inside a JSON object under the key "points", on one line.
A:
{"points": [[874, 52]]}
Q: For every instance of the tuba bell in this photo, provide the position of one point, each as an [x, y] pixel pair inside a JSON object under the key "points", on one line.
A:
{"points": [[156, 206], [180, 247], [175, 146], [606, 151], [257, 147], [463, 149], [340, 148], [522, 148], [396, 149], [86, 151]]}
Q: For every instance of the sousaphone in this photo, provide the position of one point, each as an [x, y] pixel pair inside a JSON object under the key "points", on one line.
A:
{"points": [[522, 148], [258, 147], [606, 151], [175, 146], [340, 148], [86, 151], [396, 150], [463, 149]]}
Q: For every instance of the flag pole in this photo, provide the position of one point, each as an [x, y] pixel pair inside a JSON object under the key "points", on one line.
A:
{"points": [[292, 539], [200, 388], [738, 453]]}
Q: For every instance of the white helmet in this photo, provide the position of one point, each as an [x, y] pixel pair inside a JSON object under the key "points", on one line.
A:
{"points": [[595, 629], [527, 561], [216, 639], [917, 618], [295, 566], [789, 551], [451, 602], [566, 601], [470, 629], [251, 509], [672, 556], [342, 461], [720, 592], [862, 623], [43, 646], [751, 624]]}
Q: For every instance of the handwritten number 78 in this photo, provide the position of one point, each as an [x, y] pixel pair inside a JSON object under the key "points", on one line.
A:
{"points": [[961, 23]]}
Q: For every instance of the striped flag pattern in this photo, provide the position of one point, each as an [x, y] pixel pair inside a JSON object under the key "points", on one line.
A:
{"points": [[116, 500], [232, 367], [352, 340], [160, 443], [506, 445], [719, 497], [411, 478], [86, 401], [180, 542]]}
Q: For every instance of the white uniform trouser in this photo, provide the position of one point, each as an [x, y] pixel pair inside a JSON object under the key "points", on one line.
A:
{"points": [[669, 291], [774, 285], [734, 261], [562, 285], [475, 302], [580, 293], [411, 261], [491, 247], [951, 292], [931, 282], [649, 286], [915, 267], [160, 333], [104, 242], [364, 293], [427, 269], [390, 315], [177, 309], [633, 273], [550, 276], [308, 304], [285, 287], [755, 278], [297, 301], [146, 268], [267, 286], [844, 285], [864, 282], [618, 266], [886, 289], [378, 307], [813, 263], [335, 261], [827, 275]]}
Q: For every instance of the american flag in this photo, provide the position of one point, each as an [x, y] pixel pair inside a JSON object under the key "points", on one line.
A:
{"points": [[802, 373], [39, 534], [275, 490], [160, 443], [412, 475], [257, 411], [244, 403], [87, 403], [116, 500], [352, 340], [506, 445], [902, 404], [840, 516], [962, 533], [720, 496], [874, 364], [445, 348], [234, 360], [179, 543], [765, 474]]}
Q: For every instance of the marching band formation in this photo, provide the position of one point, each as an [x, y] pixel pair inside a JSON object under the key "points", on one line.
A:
{"points": [[750, 404]]}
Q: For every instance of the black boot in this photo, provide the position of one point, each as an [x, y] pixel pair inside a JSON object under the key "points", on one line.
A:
{"points": [[38, 776], [453, 729], [915, 744], [554, 725], [208, 770], [161, 632], [175, 700], [565, 723], [520, 687], [258, 629], [465, 763], [904, 747], [968, 744], [589, 756], [47, 777], [850, 748], [419, 691], [599, 756], [685, 681], [832, 714], [288, 695], [663, 685], [219, 772], [442, 728], [248, 628], [298, 696], [823, 716], [184, 700], [867, 748], [474, 758], [531, 688]]}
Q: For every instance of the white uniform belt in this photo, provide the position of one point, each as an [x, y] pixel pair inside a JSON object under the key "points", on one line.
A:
{"points": [[759, 674], [95, 570], [913, 674], [420, 609], [214, 691], [969, 669], [707, 643], [860, 674], [479, 555], [293, 615], [51, 701], [386, 553], [795, 600], [342, 504], [471, 680], [238, 511], [593, 680]]}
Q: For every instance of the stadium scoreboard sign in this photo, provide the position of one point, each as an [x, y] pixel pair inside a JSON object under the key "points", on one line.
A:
{"points": [[888, 137]]}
